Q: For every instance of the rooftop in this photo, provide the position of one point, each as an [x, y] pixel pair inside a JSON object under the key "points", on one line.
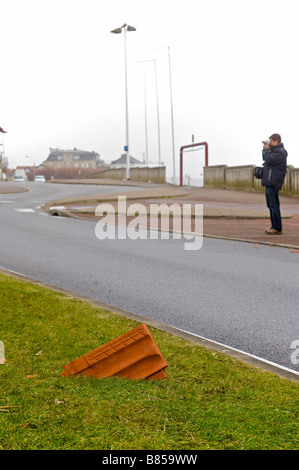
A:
{"points": [[123, 159]]}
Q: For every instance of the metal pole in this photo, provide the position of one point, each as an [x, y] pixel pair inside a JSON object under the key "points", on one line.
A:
{"points": [[3, 151], [157, 99], [173, 152], [158, 118], [190, 146], [145, 119], [127, 112], [126, 28]]}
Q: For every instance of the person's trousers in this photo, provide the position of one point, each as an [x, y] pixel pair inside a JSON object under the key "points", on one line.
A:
{"points": [[272, 199]]}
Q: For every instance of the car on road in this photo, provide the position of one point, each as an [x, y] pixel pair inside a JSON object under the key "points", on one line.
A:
{"points": [[19, 179], [39, 179]]}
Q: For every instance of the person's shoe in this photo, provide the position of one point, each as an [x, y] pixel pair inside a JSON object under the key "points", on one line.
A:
{"points": [[273, 231]]}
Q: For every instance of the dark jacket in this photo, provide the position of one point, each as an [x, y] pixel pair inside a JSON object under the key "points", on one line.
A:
{"points": [[275, 166]]}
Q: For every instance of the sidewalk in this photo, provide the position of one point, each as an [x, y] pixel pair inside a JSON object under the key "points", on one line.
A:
{"points": [[228, 214]]}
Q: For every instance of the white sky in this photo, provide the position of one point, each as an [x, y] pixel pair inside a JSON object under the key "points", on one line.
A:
{"points": [[234, 70]]}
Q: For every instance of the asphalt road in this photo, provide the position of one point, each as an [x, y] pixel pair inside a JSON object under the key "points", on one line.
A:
{"points": [[239, 294]]}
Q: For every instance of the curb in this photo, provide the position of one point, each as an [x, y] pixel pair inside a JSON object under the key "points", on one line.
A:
{"points": [[256, 242], [63, 212]]}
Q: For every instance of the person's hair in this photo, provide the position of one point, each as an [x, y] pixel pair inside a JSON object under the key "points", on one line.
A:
{"points": [[275, 137]]}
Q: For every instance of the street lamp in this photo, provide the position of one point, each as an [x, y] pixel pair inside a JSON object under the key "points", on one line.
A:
{"points": [[3, 152], [158, 117], [173, 151], [172, 126], [126, 28]]}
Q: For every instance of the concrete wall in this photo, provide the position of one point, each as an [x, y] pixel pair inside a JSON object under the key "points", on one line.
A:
{"points": [[239, 177], [294, 182], [242, 178], [214, 176], [155, 174]]}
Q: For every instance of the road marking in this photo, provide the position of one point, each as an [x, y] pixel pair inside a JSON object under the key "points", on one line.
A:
{"points": [[82, 207], [24, 210], [33, 211], [7, 202], [227, 348]]}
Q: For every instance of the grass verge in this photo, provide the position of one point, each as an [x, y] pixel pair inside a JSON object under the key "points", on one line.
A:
{"points": [[209, 400]]}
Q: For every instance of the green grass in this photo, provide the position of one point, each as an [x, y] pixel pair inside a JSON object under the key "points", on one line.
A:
{"points": [[208, 401]]}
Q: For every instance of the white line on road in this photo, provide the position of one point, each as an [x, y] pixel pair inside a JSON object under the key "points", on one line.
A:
{"points": [[230, 348], [24, 210]]}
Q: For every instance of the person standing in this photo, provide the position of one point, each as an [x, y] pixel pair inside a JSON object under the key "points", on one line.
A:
{"points": [[275, 168]]}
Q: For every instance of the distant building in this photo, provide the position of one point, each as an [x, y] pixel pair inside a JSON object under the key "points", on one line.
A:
{"points": [[74, 158], [122, 162]]}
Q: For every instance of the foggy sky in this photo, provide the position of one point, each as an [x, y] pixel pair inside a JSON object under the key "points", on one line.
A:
{"points": [[234, 73]]}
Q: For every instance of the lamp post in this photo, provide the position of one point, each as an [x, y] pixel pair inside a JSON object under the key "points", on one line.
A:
{"points": [[171, 105], [126, 28], [158, 117], [3, 151], [145, 116], [173, 151]]}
